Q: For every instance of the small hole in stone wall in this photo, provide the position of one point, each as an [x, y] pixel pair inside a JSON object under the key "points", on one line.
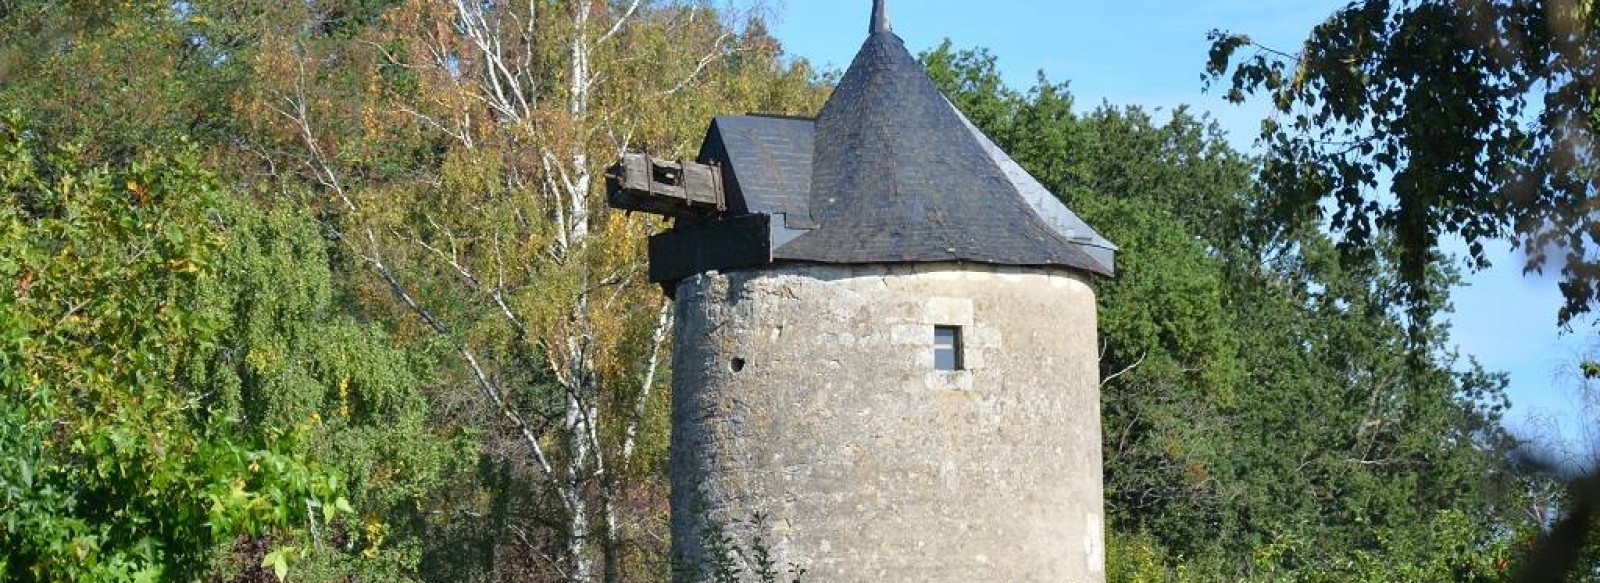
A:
{"points": [[736, 365]]}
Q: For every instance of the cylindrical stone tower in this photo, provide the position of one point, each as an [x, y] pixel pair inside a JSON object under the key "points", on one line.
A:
{"points": [[886, 365], [810, 395]]}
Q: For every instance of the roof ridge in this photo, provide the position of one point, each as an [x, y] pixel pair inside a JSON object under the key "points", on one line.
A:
{"points": [[779, 116]]}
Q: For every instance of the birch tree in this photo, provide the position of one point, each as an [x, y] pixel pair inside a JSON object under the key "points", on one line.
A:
{"points": [[495, 243]]}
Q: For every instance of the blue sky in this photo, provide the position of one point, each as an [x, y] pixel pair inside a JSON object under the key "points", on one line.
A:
{"points": [[1151, 53]]}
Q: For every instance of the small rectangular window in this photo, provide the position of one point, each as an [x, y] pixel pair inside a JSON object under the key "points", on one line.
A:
{"points": [[947, 348]]}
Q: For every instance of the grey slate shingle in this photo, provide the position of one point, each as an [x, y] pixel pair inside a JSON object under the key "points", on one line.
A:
{"points": [[1045, 203], [768, 164]]}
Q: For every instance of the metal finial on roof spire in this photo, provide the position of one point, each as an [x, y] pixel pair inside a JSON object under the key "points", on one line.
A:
{"points": [[880, 17]]}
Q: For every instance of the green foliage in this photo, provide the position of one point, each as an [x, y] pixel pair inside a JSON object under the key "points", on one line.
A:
{"points": [[289, 354], [1439, 550], [114, 470], [727, 559], [1481, 116], [116, 77], [182, 371]]}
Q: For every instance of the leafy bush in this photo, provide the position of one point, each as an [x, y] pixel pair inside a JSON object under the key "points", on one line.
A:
{"points": [[111, 467]]}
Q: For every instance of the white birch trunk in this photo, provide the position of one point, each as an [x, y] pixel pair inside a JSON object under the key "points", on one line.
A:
{"points": [[580, 409], [501, 38]]}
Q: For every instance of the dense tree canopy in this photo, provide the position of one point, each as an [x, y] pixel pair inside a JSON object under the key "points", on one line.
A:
{"points": [[114, 466]]}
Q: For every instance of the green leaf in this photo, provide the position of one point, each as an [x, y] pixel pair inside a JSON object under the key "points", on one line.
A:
{"points": [[278, 560], [174, 235]]}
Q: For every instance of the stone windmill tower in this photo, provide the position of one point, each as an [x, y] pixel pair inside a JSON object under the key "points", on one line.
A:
{"points": [[885, 341]]}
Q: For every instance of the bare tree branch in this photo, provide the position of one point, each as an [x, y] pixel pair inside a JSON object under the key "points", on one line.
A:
{"points": [[1125, 370], [657, 339], [621, 20]]}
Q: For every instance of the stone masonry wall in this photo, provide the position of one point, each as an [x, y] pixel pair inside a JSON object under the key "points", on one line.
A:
{"points": [[808, 394]]}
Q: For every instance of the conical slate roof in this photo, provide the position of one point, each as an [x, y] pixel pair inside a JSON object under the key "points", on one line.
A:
{"points": [[890, 172], [899, 175]]}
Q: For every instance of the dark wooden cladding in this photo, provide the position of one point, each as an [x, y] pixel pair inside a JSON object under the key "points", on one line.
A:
{"points": [[728, 243], [641, 183]]}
